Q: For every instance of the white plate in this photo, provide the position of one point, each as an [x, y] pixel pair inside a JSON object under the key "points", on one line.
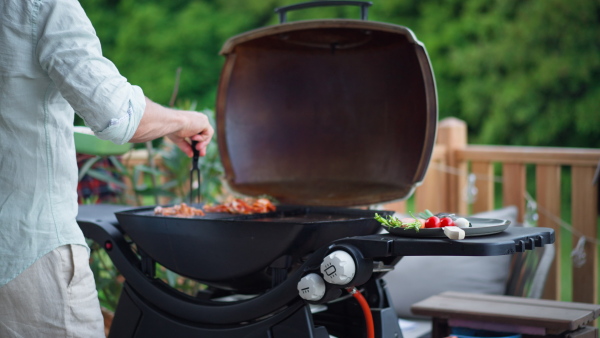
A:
{"points": [[479, 227]]}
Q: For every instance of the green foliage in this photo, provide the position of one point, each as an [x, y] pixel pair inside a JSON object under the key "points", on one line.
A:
{"points": [[502, 65], [519, 72], [109, 282], [149, 40]]}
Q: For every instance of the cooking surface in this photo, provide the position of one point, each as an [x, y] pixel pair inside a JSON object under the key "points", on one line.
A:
{"points": [[284, 214], [303, 218], [149, 212]]}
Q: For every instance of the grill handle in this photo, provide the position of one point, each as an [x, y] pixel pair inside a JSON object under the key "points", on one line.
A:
{"points": [[364, 7]]}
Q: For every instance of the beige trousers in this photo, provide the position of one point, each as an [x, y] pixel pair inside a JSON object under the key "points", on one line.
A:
{"points": [[55, 297]]}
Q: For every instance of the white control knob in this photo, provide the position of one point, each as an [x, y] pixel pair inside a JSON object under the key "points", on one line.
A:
{"points": [[311, 287], [338, 268]]}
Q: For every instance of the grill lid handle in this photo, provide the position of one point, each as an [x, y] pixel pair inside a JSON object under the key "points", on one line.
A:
{"points": [[364, 7]]}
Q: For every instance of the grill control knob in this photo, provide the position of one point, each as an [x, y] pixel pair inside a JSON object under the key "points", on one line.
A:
{"points": [[338, 268], [311, 287]]}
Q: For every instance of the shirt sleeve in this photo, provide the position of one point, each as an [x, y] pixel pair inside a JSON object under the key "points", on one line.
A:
{"points": [[69, 51]]}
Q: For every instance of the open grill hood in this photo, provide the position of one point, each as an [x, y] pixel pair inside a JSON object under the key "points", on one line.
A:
{"points": [[326, 112]]}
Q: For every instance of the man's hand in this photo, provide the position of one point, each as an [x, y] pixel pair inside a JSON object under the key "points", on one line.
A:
{"points": [[178, 125], [197, 128]]}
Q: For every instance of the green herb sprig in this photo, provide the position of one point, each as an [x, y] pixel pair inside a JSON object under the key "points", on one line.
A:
{"points": [[395, 222]]}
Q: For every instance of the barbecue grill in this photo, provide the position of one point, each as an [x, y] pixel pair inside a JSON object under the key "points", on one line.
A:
{"points": [[323, 115]]}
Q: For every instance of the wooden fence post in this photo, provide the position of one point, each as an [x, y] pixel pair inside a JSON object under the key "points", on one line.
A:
{"points": [[548, 201], [514, 187], [452, 133], [584, 219], [432, 194]]}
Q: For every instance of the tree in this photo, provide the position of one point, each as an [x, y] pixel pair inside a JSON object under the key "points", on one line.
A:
{"points": [[519, 72]]}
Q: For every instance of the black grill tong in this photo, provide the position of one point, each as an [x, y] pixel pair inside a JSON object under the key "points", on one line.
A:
{"points": [[196, 170]]}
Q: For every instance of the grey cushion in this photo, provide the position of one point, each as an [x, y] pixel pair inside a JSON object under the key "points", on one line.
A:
{"points": [[418, 277]]}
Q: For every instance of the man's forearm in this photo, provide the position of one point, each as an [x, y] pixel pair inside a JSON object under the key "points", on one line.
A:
{"points": [[178, 125], [157, 121]]}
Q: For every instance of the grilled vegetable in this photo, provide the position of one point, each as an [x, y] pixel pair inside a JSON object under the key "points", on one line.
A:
{"points": [[395, 222], [243, 206], [432, 222], [426, 219], [462, 222], [425, 214], [446, 222], [178, 210]]}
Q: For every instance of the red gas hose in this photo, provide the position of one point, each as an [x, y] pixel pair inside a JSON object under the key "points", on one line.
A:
{"points": [[366, 310]]}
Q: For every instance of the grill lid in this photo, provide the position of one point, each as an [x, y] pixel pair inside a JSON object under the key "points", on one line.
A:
{"points": [[326, 112]]}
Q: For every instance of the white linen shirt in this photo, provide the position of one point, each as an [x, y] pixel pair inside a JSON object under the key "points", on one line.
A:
{"points": [[51, 65]]}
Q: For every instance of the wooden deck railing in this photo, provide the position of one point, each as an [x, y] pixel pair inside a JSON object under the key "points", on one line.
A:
{"points": [[454, 160]]}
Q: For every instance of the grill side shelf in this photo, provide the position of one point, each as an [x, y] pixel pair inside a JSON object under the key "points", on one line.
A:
{"points": [[510, 241]]}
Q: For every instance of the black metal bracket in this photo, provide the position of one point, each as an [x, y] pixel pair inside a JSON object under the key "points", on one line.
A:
{"points": [[279, 269], [148, 264]]}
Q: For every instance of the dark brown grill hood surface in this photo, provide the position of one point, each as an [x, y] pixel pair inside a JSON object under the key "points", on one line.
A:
{"points": [[326, 112]]}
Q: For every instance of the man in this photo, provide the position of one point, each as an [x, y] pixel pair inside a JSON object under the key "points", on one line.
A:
{"points": [[51, 66]]}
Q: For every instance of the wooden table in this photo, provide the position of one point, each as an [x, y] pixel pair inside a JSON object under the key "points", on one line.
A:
{"points": [[530, 317]]}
